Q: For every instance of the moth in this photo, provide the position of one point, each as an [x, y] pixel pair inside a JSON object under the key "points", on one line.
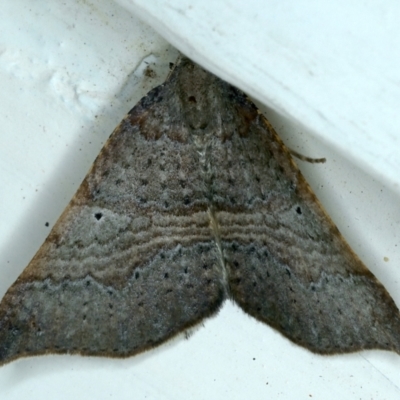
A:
{"points": [[193, 200]]}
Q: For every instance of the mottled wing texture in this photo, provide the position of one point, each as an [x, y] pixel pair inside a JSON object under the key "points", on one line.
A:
{"points": [[132, 260], [288, 265], [193, 199]]}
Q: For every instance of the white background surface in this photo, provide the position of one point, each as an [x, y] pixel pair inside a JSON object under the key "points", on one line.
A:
{"points": [[69, 71]]}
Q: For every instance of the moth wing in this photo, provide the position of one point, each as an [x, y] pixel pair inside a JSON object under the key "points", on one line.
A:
{"points": [[131, 262], [288, 265]]}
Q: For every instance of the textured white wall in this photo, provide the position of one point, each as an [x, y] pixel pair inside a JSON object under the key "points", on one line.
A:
{"points": [[331, 66]]}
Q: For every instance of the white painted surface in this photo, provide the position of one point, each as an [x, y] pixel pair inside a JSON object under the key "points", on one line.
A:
{"points": [[69, 71], [331, 65]]}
